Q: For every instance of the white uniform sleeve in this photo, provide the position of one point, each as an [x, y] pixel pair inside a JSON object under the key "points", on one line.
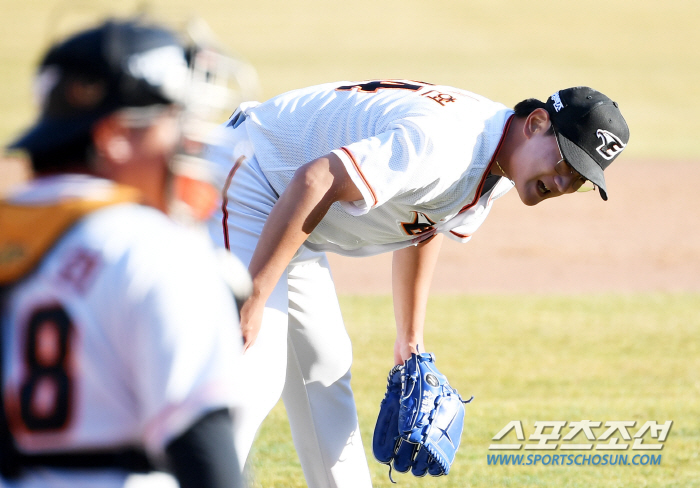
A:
{"points": [[380, 166], [186, 339]]}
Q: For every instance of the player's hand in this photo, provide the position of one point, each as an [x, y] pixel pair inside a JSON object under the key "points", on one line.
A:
{"points": [[404, 349], [251, 320]]}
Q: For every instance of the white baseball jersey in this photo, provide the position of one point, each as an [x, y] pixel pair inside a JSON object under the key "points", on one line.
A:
{"points": [[418, 153], [124, 335]]}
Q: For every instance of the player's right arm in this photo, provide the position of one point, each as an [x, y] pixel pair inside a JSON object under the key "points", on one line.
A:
{"points": [[314, 187]]}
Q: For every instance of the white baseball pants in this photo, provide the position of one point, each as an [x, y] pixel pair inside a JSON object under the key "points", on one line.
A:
{"points": [[302, 353]]}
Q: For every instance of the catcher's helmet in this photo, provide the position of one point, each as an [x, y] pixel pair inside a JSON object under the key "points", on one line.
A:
{"points": [[98, 71]]}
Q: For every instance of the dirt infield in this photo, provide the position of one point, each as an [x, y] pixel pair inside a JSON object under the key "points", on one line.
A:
{"points": [[645, 238]]}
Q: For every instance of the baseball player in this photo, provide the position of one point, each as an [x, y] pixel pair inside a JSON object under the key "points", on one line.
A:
{"points": [[360, 168], [120, 337]]}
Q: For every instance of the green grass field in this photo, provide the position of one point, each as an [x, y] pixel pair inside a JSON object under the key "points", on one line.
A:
{"points": [[529, 358]]}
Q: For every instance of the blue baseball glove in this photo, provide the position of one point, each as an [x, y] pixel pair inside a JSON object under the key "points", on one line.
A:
{"points": [[420, 420]]}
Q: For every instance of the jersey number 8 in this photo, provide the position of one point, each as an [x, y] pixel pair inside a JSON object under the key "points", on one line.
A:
{"points": [[45, 393]]}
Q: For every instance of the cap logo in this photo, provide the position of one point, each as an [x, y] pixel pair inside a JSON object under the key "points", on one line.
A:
{"points": [[557, 102], [611, 146], [84, 95], [163, 67]]}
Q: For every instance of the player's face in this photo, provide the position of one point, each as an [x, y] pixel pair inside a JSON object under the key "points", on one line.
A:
{"points": [[540, 171], [137, 146], [154, 143], [154, 146]]}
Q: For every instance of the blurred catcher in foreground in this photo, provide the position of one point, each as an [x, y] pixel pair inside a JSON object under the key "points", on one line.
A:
{"points": [[120, 337]]}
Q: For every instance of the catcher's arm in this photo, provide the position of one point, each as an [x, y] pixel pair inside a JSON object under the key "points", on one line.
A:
{"points": [[412, 273]]}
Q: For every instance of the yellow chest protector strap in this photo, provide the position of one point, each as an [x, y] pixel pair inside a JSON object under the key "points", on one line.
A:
{"points": [[27, 232]]}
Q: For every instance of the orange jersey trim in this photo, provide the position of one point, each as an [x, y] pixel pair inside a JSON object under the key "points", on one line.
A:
{"points": [[364, 180], [461, 236], [477, 195]]}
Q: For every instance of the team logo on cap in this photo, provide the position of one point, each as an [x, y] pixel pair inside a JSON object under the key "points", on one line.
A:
{"points": [[611, 146], [556, 101]]}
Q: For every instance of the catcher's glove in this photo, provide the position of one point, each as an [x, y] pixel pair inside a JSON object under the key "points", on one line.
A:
{"points": [[420, 419]]}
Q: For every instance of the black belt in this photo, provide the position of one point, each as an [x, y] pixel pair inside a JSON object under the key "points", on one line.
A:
{"points": [[132, 460]]}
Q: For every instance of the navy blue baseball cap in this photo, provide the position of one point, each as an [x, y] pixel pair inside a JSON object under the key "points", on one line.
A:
{"points": [[590, 130], [95, 72]]}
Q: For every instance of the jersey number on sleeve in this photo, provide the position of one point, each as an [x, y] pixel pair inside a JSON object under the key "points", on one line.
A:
{"points": [[45, 394]]}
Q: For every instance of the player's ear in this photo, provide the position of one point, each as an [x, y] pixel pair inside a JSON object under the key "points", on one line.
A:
{"points": [[537, 122], [112, 141]]}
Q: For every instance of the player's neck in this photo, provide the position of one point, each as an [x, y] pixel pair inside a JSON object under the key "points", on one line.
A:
{"points": [[511, 140]]}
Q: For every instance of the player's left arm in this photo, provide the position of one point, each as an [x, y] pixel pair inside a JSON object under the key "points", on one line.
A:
{"points": [[412, 272]]}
